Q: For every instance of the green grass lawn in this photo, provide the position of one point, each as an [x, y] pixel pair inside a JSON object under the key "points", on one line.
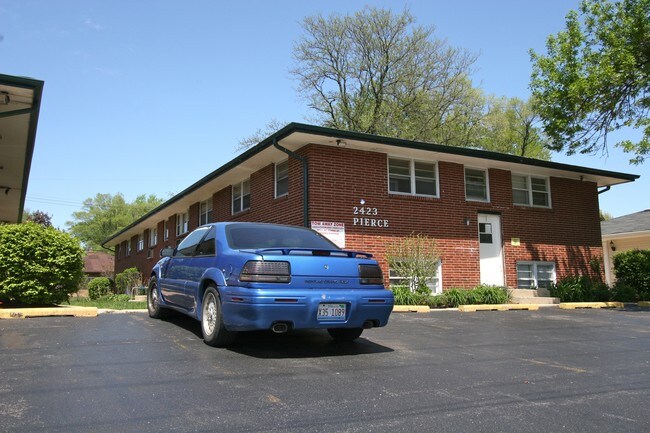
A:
{"points": [[108, 303]]}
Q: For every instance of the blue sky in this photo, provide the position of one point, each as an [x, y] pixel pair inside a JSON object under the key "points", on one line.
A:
{"points": [[147, 97]]}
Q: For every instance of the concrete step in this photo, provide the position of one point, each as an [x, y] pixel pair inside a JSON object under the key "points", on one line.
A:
{"points": [[538, 300], [529, 293]]}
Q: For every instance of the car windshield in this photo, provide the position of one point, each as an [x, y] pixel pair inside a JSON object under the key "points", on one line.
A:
{"points": [[258, 236]]}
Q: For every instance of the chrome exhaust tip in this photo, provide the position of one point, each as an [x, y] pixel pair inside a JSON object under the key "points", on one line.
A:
{"points": [[280, 328], [368, 324]]}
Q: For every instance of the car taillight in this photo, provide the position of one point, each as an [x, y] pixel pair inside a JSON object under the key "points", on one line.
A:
{"points": [[371, 274], [265, 272]]}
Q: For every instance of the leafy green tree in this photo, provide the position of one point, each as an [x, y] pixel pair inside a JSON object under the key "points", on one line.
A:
{"points": [[105, 214], [127, 280], [98, 287], [632, 269], [380, 73], [605, 216], [595, 78], [38, 265], [512, 126], [38, 217]]}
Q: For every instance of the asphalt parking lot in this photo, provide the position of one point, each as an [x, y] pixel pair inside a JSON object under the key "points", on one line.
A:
{"points": [[519, 371]]}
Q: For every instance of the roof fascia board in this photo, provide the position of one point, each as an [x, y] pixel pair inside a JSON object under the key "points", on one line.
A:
{"points": [[37, 88], [463, 151], [626, 235]]}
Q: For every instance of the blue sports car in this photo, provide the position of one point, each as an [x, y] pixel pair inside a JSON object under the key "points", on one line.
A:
{"points": [[250, 276]]}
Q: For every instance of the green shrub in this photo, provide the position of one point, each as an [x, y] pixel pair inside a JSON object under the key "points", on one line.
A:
{"points": [[481, 294], [624, 293], [569, 289], [581, 288], [602, 293], [632, 269], [38, 265], [572, 288], [98, 287], [454, 297], [484, 294], [404, 296], [127, 280]]}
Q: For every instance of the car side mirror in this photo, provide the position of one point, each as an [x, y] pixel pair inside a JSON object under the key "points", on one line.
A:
{"points": [[167, 252]]}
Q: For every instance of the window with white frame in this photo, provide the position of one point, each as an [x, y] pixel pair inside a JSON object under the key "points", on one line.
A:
{"points": [[128, 248], [153, 236], [535, 274], [435, 283], [530, 191], [476, 184], [182, 223], [205, 212], [282, 179], [408, 176], [140, 244], [165, 230], [241, 196]]}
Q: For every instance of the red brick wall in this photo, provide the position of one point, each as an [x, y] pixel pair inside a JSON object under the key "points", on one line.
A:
{"points": [[568, 233]]}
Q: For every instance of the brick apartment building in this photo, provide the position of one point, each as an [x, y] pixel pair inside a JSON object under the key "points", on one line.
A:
{"points": [[496, 218]]}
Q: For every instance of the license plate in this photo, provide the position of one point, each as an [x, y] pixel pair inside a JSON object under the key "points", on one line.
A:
{"points": [[331, 312]]}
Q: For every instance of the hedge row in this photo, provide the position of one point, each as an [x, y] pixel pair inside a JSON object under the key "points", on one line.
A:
{"points": [[481, 294]]}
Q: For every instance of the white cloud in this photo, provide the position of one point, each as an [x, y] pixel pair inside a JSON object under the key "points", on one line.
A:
{"points": [[93, 25]]}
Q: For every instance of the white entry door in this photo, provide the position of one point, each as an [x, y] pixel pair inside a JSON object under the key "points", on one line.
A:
{"points": [[490, 249]]}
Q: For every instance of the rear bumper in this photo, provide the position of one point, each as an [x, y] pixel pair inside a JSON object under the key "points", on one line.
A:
{"points": [[247, 309]]}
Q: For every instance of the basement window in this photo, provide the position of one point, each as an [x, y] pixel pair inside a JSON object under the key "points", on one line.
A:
{"points": [[435, 283], [535, 274]]}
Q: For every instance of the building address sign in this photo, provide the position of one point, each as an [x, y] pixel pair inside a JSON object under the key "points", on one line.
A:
{"points": [[367, 216]]}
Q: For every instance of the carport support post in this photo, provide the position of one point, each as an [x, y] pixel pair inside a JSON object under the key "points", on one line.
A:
{"points": [[305, 179]]}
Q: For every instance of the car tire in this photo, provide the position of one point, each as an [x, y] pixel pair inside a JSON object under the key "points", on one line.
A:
{"points": [[156, 311], [345, 334], [214, 332]]}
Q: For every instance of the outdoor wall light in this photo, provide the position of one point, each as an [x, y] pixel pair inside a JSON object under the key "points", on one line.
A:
{"points": [[341, 143], [466, 221], [4, 98], [612, 245]]}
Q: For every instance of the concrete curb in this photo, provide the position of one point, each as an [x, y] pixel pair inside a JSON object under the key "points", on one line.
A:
{"points": [[60, 311], [574, 305], [467, 308], [111, 311], [411, 309], [497, 307]]}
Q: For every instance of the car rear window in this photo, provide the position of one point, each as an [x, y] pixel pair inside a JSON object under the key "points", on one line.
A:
{"points": [[258, 236]]}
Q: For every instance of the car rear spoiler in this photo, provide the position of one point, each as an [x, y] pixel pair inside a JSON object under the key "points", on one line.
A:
{"points": [[316, 252]]}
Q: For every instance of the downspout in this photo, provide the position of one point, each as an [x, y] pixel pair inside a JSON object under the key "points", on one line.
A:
{"points": [[305, 177]]}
